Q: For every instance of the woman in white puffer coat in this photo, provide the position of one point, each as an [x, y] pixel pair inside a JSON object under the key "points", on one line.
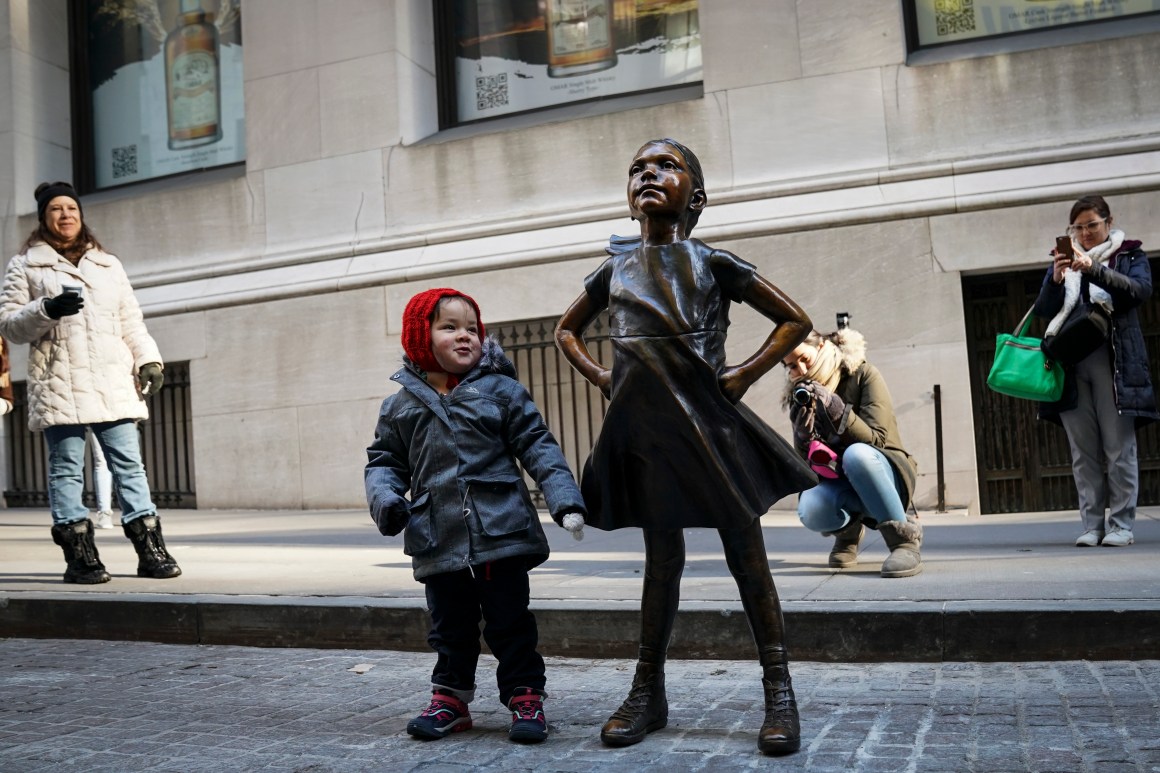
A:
{"points": [[91, 363]]}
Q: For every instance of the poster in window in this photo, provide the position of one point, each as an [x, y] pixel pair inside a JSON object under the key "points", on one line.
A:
{"points": [[165, 79], [512, 56], [946, 21]]}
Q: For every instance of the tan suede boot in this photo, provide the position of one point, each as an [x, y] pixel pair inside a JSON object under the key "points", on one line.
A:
{"points": [[846, 542], [904, 538]]}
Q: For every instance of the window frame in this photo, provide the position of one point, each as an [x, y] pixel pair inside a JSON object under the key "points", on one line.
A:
{"points": [[1020, 40], [84, 158], [446, 95]]}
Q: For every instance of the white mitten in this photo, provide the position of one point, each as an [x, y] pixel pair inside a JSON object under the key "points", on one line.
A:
{"points": [[574, 523]]}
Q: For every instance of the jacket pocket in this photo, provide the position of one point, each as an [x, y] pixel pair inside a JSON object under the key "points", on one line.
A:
{"points": [[503, 505], [419, 538]]}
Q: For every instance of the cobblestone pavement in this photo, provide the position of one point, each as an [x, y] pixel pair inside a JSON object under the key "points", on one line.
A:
{"points": [[118, 706]]}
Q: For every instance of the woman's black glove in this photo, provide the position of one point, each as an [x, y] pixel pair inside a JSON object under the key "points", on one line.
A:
{"points": [[822, 414], [802, 419], [829, 402], [64, 305], [150, 378]]}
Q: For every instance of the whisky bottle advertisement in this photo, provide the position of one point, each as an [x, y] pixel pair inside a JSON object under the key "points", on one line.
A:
{"points": [[579, 37], [193, 79], [166, 88], [516, 56]]}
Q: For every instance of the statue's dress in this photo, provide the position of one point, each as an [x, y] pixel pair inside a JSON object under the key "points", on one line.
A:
{"points": [[674, 452]]}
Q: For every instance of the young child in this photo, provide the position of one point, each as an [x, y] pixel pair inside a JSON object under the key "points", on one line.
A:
{"points": [[677, 448], [452, 436]]}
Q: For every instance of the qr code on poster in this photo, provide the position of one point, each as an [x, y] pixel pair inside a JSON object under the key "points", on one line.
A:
{"points": [[953, 16], [124, 161], [491, 91]]}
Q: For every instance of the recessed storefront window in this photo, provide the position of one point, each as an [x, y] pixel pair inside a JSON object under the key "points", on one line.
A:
{"points": [[502, 57], [157, 88], [937, 22]]}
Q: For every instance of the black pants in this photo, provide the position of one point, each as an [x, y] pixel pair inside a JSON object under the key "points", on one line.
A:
{"points": [[497, 593]]}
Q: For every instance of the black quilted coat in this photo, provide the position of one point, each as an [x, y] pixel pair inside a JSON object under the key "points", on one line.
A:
{"points": [[1128, 279]]}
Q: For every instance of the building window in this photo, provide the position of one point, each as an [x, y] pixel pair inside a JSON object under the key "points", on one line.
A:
{"points": [[157, 89], [931, 23], [502, 57]]}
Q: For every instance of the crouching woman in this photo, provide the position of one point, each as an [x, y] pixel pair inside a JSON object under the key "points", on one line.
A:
{"points": [[839, 401]]}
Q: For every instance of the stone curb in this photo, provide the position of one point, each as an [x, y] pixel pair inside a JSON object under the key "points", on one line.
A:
{"points": [[816, 631]]}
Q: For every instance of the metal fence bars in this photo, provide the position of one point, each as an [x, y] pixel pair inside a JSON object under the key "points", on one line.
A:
{"points": [[572, 408], [166, 448]]}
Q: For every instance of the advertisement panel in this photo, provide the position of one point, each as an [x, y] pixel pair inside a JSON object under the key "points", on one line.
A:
{"points": [[512, 56], [165, 82], [946, 21]]}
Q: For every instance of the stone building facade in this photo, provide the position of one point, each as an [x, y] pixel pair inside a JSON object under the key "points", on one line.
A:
{"points": [[855, 180]]}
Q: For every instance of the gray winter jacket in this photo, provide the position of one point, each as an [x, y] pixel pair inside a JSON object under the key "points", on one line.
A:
{"points": [[457, 455]]}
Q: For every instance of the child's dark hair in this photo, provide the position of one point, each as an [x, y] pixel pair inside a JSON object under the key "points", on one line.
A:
{"points": [[695, 172]]}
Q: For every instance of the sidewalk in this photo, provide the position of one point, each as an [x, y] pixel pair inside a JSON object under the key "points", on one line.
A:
{"points": [[995, 588]]}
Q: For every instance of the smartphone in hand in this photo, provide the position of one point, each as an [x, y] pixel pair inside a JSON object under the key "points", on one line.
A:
{"points": [[1063, 246]]}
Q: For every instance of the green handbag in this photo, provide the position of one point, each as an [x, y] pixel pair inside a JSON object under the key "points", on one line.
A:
{"points": [[1022, 370]]}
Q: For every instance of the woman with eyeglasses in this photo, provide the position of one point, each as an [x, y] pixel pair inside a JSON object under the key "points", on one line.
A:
{"points": [[1108, 394]]}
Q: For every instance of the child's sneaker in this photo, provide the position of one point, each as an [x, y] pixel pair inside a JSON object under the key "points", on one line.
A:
{"points": [[529, 725], [446, 714]]}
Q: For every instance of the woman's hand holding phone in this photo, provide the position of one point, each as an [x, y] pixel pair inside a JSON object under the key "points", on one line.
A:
{"points": [[1063, 255]]}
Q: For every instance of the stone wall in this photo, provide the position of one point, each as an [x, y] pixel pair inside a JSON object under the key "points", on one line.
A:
{"points": [[854, 181]]}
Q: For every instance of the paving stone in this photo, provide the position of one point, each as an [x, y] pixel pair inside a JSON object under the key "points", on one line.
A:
{"points": [[69, 705]]}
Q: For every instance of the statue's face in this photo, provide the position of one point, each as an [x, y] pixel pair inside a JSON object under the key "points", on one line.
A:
{"points": [[659, 184]]}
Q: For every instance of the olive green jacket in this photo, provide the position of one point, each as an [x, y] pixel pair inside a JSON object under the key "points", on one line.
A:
{"points": [[869, 418]]}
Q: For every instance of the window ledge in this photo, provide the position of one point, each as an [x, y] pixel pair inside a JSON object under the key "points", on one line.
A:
{"points": [[568, 112]]}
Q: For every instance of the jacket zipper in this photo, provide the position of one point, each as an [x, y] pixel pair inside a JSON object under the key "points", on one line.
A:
{"points": [[1112, 343]]}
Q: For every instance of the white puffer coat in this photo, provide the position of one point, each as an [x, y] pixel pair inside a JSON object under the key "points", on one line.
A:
{"points": [[82, 368]]}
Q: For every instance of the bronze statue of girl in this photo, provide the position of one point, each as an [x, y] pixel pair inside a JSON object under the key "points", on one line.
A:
{"points": [[678, 449]]}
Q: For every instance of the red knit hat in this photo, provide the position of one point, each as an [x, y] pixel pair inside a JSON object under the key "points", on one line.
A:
{"points": [[417, 318]]}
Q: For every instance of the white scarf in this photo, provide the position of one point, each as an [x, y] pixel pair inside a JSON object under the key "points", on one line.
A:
{"points": [[1072, 280]]}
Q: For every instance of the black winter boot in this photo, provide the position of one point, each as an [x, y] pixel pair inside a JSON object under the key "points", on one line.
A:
{"points": [[904, 538], [846, 542], [80, 553], [153, 560], [781, 732], [644, 710]]}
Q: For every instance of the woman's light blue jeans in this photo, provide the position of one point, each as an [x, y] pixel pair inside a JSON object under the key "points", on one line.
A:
{"points": [[66, 469], [868, 487]]}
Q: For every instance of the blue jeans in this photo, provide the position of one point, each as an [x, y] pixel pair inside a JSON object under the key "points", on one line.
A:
{"points": [[868, 487], [66, 469]]}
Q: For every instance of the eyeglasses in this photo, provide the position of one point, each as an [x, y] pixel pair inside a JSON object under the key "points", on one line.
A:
{"points": [[1085, 228]]}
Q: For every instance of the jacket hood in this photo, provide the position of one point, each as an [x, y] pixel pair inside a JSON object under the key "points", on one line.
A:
{"points": [[852, 345], [493, 360]]}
